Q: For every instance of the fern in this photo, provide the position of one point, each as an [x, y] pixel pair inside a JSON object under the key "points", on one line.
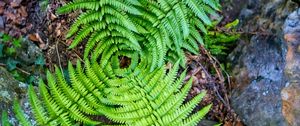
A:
{"points": [[162, 26], [64, 104], [137, 99], [4, 119], [144, 93], [219, 42], [19, 113], [155, 99]]}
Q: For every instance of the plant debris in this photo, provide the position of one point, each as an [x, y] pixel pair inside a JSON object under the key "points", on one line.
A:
{"points": [[207, 75]]}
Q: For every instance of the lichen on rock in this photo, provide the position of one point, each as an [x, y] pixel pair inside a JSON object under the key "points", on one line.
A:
{"points": [[11, 89]]}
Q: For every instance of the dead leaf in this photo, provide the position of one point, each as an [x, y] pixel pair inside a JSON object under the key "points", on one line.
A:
{"points": [[58, 33], [33, 37], [10, 16], [1, 10], [22, 11], [15, 3], [36, 38], [52, 16], [69, 41]]}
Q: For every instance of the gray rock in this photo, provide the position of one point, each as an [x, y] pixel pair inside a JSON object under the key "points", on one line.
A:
{"points": [[1, 23], [29, 52], [291, 93], [9, 89], [259, 62], [260, 77], [246, 14]]}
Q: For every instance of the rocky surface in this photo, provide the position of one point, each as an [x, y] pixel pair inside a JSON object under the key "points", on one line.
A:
{"points": [[259, 62], [291, 93], [11, 89]]}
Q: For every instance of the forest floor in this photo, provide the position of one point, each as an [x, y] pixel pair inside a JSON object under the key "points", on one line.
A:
{"points": [[40, 24]]}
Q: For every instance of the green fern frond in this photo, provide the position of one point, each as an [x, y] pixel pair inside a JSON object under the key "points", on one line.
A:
{"points": [[151, 98], [149, 33], [4, 119], [160, 26], [157, 102], [37, 108], [19, 113]]}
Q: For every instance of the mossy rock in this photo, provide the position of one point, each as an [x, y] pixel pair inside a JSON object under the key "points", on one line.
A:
{"points": [[10, 89]]}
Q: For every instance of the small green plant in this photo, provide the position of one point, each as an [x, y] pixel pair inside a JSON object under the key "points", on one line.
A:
{"points": [[4, 119], [44, 4], [10, 49], [219, 42], [9, 45]]}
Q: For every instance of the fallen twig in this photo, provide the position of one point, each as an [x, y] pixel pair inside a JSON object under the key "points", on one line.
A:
{"points": [[17, 68]]}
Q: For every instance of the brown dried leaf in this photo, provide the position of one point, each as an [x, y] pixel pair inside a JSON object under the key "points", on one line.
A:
{"points": [[33, 37], [52, 16], [22, 10]]}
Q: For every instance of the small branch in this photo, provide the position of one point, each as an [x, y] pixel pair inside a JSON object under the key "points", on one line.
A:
{"points": [[58, 56], [75, 52], [19, 69], [216, 63]]}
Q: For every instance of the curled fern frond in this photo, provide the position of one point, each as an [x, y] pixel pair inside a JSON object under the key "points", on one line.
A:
{"points": [[148, 33], [158, 26]]}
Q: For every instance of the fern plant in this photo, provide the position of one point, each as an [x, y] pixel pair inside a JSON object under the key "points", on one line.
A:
{"points": [[219, 42], [155, 98], [150, 33], [162, 28]]}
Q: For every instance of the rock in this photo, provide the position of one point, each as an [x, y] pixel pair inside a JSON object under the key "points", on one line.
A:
{"points": [[258, 63], [1, 23], [29, 52], [290, 103], [259, 75], [246, 14], [11, 89], [291, 93]]}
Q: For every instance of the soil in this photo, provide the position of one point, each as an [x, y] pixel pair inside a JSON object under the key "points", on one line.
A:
{"points": [[47, 30], [208, 75]]}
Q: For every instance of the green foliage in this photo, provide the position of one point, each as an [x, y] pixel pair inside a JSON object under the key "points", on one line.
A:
{"points": [[143, 98], [149, 33], [19, 113], [12, 51], [9, 45], [44, 4], [218, 42], [162, 28], [4, 119], [40, 60], [11, 64]]}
